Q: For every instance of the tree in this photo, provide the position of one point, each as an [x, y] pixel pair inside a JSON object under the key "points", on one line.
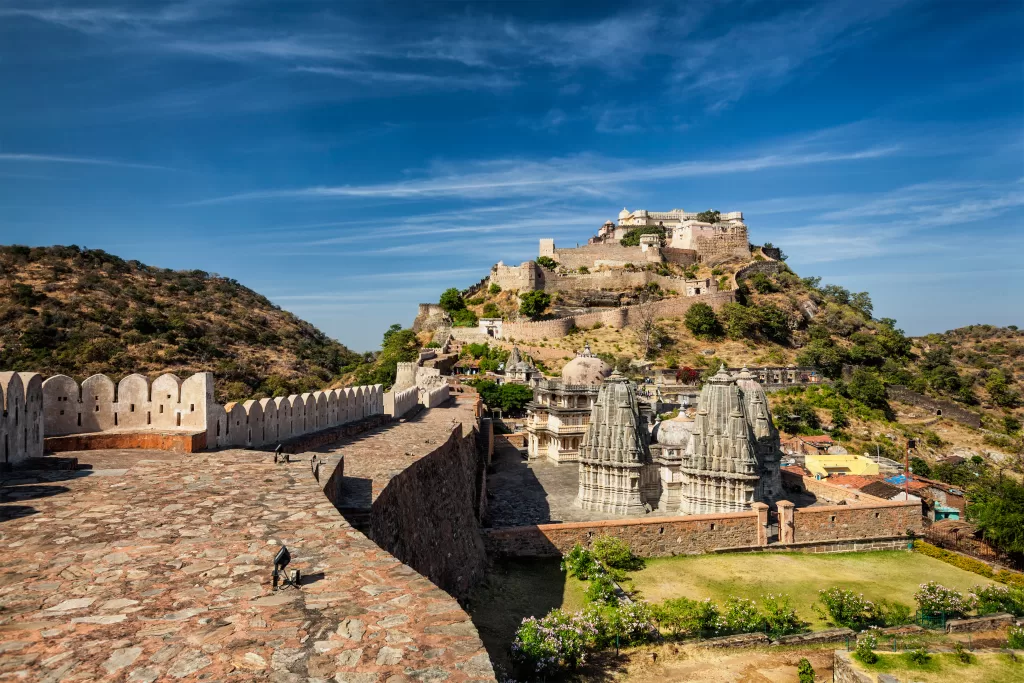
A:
{"points": [[772, 323], [547, 262], [709, 216], [632, 238], [997, 507], [920, 467], [1000, 391], [739, 321], [762, 284], [866, 388], [451, 300], [702, 322], [862, 302], [533, 304], [648, 334]]}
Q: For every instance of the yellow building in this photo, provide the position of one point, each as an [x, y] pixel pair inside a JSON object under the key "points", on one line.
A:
{"points": [[823, 465]]}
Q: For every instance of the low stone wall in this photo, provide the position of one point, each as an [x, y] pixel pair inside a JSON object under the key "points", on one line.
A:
{"points": [[426, 516], [175, 442], [738, 640], [832, 635], [656, 537], [951, 410], [765, 267], [308, 442], [992, 622], [880, 521], [845, 671]]}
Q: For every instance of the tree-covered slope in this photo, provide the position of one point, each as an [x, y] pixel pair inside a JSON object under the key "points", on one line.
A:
{"points": [[83, 311]]}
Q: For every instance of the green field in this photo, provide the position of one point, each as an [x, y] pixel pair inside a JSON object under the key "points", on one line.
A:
{"points": [[892, 575], [984, 668]]}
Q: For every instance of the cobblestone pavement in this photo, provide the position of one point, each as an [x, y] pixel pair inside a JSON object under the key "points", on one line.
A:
{"points": [[152, 567], [521, 493]]}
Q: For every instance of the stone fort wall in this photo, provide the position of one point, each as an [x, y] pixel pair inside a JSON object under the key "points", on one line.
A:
{"points": [[588, 254], [427, 516], [173, 404], [612, 317], [21, 421], [948, 409]]}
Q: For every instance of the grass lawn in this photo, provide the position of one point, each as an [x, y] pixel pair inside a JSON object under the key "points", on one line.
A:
{"points": [[984, 668], [893, 575]]}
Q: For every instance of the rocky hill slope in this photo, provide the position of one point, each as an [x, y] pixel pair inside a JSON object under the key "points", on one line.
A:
{"points": [[84, 311]]}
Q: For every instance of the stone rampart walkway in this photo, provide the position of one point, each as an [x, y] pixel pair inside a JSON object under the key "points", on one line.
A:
{"points": [[158, 568]]}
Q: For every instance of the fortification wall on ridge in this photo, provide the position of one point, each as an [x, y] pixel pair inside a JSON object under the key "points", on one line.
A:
{"points": [[946, 408], [612, 252], [612, 317]]}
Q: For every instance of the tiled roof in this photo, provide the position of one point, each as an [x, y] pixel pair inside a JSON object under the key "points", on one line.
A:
{"points": [[882, 489], [853, 481], [823, 438]]}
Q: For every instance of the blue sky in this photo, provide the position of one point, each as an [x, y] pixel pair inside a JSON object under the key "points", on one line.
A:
{"points": [[350, 160]]}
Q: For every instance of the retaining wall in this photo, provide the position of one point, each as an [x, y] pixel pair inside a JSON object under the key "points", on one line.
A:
{"points": [[175, 442], [426, 516], [613, 317]]}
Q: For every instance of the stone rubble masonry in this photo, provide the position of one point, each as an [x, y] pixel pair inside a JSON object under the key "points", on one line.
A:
{"points": [[845, 671], [992, 622], [840, 528], [832, 635], [161, 571], [613, 317], [188, 406]]}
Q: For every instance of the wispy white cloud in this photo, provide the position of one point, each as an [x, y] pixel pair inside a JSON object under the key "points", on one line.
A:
{"points": [[88, 161], [579, 175], [415, 80]]}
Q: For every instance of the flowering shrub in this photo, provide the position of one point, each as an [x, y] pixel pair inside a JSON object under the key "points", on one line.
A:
{"points": [[865, 651], [580, 562], [1015, 637], [631, 622], [741, 616], [993, 599], [779, 618], [846, 608], [933, 598], [919, 656], [615, 553], [685, 617], [557, 641], [602, 590]]}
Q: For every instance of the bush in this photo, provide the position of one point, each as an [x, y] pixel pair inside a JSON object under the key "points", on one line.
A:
{"points": [[919, 656], [955, 559], [846, 608], [779, 618], [994, 599], [557, 642], [890, 613], [1015, 637], [961, 654], [740, 615], [685, 617], [631, 622], [934, 598], [602, 589], [495, 288], [580, 562], [491, 310], [865, 651], [616, 554], [804, 671]]}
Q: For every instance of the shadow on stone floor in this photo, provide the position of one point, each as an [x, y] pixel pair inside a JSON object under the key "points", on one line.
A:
{"points": [[10, 512], [515, 496]]}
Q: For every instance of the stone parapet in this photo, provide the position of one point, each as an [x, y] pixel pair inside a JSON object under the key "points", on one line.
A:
{"points": [[991, 622]]}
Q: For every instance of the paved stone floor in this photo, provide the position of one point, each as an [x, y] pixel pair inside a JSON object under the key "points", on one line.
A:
{"points": [[155, 566], [538, 492]]}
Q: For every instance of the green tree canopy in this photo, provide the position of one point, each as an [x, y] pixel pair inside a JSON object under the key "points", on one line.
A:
{"points": [[451, 300], [632, 238], [702, 322], [709, 216], [533, 304]]}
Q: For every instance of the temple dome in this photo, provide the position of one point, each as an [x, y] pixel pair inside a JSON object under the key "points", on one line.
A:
{"points": [[674, 432], [585, 370], [624, 213]]}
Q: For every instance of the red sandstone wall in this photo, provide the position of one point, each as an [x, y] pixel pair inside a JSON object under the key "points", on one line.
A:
{"points": [[856, 521], [656, 537], [427, 516], [160, 441]]}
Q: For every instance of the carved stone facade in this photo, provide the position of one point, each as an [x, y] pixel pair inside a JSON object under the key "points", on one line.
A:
{"points": [[615, 452], [724, 460]]}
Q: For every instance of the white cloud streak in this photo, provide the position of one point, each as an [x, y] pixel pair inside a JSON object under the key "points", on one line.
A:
{"points": [[58, 159]]}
